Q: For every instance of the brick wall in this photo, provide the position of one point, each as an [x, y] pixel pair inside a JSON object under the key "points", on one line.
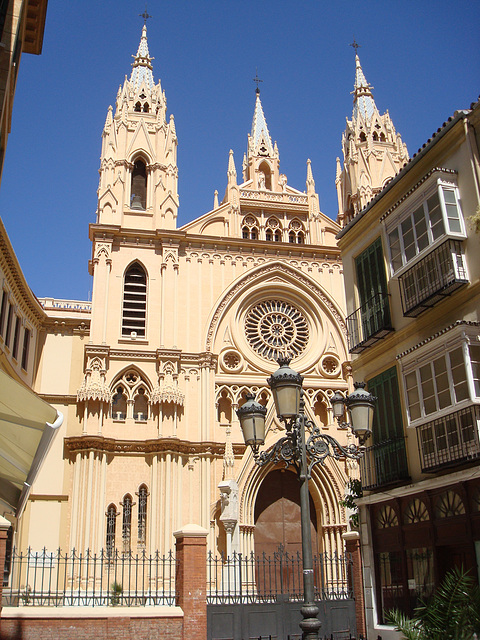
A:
{"points": [[352, 545], [188, 620]]}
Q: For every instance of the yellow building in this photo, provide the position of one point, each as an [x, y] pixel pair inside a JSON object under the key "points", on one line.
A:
{"points": [[412, 281], [182, 324]]}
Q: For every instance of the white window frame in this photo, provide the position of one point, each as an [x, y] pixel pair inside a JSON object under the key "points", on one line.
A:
{"points": [[438, 182], [458, 336]]}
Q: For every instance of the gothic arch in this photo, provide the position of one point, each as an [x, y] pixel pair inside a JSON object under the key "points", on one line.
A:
{"points": [[297, 284]]}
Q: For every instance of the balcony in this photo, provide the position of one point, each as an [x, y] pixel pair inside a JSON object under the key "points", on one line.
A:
{"points": [[438, 275], [450, 440], [369, 323], [384, 463]]}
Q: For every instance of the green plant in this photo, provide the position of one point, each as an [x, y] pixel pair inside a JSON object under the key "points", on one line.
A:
{"points": [[452, 613], [353, 492], [26, 597], [115, 593], [475, 220]]}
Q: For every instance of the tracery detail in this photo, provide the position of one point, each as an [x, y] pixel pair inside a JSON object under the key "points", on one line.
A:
{"points": [[275, 327]]}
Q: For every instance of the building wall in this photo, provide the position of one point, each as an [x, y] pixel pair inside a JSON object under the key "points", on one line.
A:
{"points": [[437, 479]]}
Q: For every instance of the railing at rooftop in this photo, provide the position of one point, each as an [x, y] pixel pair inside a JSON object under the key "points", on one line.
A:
{"points": [[56, 579], [274, 197], [267, 578], [450, 440], [369, 323], [384, 463]]}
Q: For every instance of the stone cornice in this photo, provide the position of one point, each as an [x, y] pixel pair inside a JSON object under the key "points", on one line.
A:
{"points": [[21, 291], [57, 398], [75, 444]]}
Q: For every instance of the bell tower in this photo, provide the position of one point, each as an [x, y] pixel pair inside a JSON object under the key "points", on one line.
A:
{"points": [[262, 163], [138, 167], [373, 151]]}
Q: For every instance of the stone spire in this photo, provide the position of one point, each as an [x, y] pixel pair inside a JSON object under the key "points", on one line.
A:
{"points": [[263, 161], [142, 65], [363, 102], [373, 151], [260, 135]]}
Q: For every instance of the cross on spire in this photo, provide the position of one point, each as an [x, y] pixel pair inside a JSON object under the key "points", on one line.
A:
{"points": [[145, 15], [257, 80], [355, 45]]}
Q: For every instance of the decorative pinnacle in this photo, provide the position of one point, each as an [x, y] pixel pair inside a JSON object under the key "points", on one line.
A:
{"points": [[257, 80], [145, 15], [355, 45]]}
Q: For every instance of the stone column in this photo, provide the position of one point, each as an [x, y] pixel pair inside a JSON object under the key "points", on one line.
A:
{"points": [[4, 527], [191, 579], [352, 545]]}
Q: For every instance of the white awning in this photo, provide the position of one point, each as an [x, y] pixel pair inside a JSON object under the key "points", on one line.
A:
{"points": [[28, 426]]}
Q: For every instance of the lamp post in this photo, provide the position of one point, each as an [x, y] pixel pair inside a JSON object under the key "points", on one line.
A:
{"points": [[303, 454]]}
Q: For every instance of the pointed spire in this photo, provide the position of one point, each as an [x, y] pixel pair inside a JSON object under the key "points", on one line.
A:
{"points": [[215, 199], [363, 102], [310, 180], [142, 65], [231, 171], [259, 126]]}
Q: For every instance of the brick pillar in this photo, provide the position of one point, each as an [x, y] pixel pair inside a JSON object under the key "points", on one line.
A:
{"points": [[352, 545], [191, 580], [4, 527]]}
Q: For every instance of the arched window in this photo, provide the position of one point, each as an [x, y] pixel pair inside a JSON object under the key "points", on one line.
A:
{"points": [[382, 137], [138, 107], [245, 233], [119, 404], [363, 137], [146, 108], [138, 197], [127, 523], [134, 301], [291, 237], [300, 237], [250, 228], [375, 136], [266, 182], [140, 406], [278, 236], [142, 515], [268, 235], [224, 411], [111, 526]]}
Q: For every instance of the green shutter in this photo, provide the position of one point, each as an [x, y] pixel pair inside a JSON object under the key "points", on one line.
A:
{"points": [[371, 278], [387, 420]]}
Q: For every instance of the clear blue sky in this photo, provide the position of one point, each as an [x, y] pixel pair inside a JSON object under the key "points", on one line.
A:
{"points": [[421, 57]]}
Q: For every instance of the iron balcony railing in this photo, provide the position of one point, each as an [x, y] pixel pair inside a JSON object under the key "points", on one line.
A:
{"points": [[449, 440], [369, 323], [384, 463], [268, 578], [439, 274], [58, 579]]}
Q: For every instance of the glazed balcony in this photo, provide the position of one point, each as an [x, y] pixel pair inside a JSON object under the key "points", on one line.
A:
{"points": [[384, 463], [450, 440], [369, 323], [436, 276]]}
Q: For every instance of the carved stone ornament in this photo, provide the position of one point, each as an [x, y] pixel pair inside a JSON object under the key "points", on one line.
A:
{"points": [[94, 386], [167, 391]]}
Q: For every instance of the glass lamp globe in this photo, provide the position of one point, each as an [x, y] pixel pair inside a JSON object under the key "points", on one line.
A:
{"points": [[252, 421], [286, 386]]}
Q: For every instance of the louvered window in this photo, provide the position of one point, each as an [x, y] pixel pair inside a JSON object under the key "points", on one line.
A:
{"points": [[134, 302]]}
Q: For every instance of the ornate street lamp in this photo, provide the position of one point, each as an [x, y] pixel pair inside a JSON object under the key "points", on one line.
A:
{"points": [[293, 449]]}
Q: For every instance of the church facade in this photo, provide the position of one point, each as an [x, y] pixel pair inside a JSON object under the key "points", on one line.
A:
{"points": [[184, 321]]}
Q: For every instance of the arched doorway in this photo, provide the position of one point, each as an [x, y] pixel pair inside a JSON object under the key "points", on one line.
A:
{"points": [[277, 515]]}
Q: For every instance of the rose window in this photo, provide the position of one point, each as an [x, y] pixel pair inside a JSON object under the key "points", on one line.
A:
{"points": [[275, 328]]}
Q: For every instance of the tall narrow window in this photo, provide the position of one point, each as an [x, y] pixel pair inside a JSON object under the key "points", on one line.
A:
{"points": [[8, 330], [127, 523], [119, 405], [16, 337], [111, 527], [138, 198], [140, 406], [3, 311], [26, 349], [142, 516], [134, 301]]}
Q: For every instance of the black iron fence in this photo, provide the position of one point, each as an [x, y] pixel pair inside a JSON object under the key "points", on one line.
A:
{"points": [[384, 463], [253, 579], [57, 579]]}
